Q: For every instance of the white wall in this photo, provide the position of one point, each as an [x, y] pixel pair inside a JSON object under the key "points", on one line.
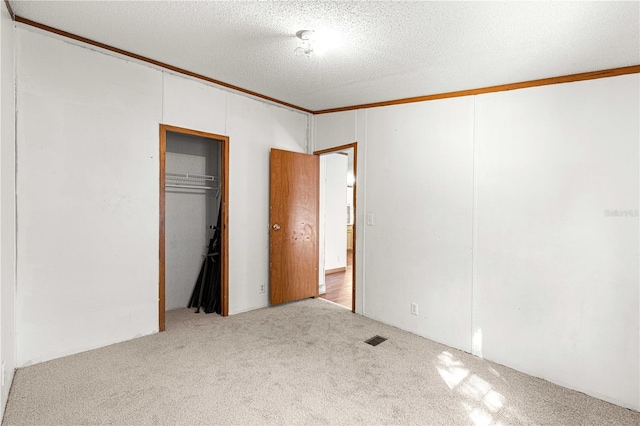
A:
{"points": [[185, 232], [87, 198], [7, 205], [556, 288], [335, 211], [419, 189], [88, 168], [490, 212]]}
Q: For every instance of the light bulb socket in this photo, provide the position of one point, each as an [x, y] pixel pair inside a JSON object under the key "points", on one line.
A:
{"points": [[305, 35]]}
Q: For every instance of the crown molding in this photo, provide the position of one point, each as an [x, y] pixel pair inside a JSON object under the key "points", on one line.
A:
{"points": [[154, 62], [634, 69], [612, 72]]}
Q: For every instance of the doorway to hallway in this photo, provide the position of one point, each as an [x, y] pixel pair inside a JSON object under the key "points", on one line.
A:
{"points": [[339, 285], [337, 239]]}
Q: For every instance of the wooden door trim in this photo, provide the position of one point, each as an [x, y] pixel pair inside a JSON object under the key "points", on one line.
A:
{"points": [[353, 145], [161, 254], [224, 207]]}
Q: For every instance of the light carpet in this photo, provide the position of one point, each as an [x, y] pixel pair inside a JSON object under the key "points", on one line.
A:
{"points": [[302, 363]]}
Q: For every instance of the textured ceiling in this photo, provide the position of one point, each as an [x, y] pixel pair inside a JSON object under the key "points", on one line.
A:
{"points": [[386, 51]]}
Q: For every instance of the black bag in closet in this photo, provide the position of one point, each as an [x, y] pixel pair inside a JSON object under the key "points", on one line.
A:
{"points": [[206, 292]]}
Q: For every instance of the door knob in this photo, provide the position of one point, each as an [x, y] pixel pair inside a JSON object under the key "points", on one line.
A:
{"points": [[276, 227]]}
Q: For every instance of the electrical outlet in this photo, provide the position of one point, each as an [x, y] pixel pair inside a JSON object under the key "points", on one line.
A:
{"points": [[262, 288], [414, 309]]}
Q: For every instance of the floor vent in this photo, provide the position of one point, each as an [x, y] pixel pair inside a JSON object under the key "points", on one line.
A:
{"points": [[375, 340]]}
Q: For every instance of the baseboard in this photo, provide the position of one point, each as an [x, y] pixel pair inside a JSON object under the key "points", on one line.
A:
{"points": [[335, 270]]}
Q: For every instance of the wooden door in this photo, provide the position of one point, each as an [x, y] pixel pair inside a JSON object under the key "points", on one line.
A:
{"points": [[293, 232]]}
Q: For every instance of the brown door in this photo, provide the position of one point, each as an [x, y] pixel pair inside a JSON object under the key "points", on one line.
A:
{"points": [[293, 234]]}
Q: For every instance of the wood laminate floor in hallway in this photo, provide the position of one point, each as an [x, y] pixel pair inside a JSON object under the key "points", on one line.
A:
{"points": [[338, 285]]}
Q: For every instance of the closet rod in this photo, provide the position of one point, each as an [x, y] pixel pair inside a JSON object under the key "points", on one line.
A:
{"points": [[175, 185], [174, 175]]}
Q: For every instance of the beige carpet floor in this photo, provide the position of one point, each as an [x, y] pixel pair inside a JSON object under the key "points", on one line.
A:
{"points": [[303, 363]]}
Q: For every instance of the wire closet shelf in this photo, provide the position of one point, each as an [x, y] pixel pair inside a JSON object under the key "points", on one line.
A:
{"points": [[191, 181]]}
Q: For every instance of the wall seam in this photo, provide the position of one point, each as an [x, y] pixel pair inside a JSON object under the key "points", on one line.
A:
{"points": [[15, 203], [476, 347], [355, 126], [226, 113], [362, 165], [162, 99], [311, 134]]}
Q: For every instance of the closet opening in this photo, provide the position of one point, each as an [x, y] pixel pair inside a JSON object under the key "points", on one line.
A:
{"points": [[193, 270]]}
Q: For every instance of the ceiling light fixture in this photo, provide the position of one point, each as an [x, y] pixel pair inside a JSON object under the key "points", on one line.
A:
{"points": [[307, 37]]}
